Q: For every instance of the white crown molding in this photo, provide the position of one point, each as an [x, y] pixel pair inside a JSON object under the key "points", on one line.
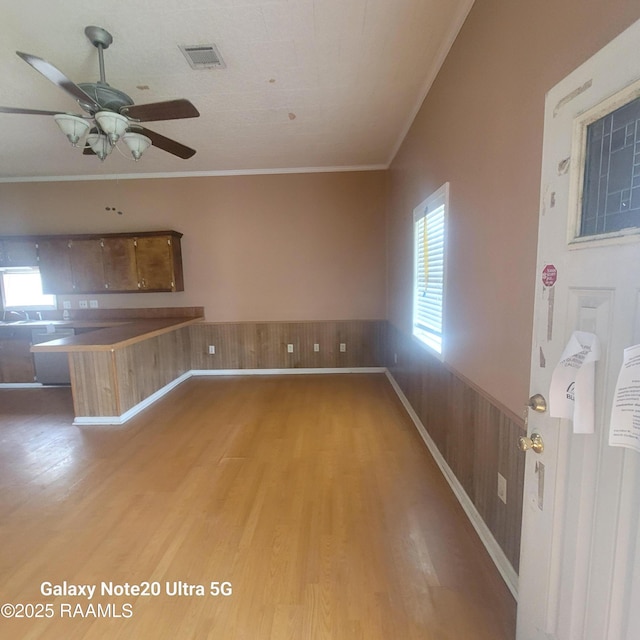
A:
{"points": [[196, 174]]}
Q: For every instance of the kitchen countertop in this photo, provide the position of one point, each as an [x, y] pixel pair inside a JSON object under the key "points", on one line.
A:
{"points": [[109, 334], [73, 324]]}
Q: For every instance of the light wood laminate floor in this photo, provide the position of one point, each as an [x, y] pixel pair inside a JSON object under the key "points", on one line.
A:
{"points": [[313, 496]]}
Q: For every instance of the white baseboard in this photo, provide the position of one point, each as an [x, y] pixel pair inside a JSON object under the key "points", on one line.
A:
{"points": [[278, 372], [497, 554], [20, 385], [127, 415]]}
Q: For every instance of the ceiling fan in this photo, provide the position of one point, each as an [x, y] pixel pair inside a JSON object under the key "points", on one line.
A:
{"points": [[111, 114]]}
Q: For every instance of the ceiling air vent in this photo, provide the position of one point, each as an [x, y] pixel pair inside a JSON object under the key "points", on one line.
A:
{"points": [[203, 56]]}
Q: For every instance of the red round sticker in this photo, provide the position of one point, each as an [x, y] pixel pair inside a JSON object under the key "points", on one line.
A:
{"points": [[549, 275]]}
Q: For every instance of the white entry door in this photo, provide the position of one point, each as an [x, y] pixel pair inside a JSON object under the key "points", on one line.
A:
{"points": [[580, 564]]}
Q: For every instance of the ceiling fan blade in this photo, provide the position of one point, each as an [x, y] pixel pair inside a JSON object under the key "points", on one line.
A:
{"points": [[166, 144], [33, 112], [169, 110], [57, 77]]}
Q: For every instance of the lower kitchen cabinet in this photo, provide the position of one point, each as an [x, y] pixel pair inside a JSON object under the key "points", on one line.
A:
{"points": [[16, 359]]}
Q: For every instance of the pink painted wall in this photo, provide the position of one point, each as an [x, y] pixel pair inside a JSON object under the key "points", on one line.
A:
{"points": [[273, 247], [481, 128]]}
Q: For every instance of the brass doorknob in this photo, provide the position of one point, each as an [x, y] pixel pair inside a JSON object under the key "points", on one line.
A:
{"points": [[537, 403], [534, 443]]}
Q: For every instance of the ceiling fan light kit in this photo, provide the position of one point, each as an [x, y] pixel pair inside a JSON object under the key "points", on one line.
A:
{"points": [[137, 143], [112, 114], [73, 127], [99, 144], [113, 124]]}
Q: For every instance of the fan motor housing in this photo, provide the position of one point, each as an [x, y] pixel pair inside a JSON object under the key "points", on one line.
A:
{"points": [[107, 97]]}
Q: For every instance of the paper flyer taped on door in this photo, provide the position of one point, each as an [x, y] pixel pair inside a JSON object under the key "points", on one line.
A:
{"points": [[625, 413], [572, 392]]}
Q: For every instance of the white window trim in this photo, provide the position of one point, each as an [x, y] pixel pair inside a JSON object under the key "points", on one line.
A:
{"points": [[32, 307], [438, 199]]}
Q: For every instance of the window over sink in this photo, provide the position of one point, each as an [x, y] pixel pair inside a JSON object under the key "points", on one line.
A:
{"points": [[22, 289]]}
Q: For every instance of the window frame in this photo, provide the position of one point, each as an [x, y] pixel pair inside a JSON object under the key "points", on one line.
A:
{"points": [[433, 341], [31, 307], [576, 174]]}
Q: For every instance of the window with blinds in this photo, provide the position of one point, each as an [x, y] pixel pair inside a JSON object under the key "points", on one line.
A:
{"points": [[429, 266]]}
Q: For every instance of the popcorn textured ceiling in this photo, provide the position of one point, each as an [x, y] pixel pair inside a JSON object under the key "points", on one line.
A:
{"points": [[308, 84]]}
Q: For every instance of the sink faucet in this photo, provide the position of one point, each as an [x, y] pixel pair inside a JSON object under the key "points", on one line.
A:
{"points": [[21, 314]]}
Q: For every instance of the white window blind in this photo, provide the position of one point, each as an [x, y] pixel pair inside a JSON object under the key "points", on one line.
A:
{"points": [[429, 266]]}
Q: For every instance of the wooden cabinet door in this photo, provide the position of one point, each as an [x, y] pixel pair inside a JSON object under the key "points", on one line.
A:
{"points": [[55, 265], [154, 259], [18, 253], [16, 361], [87, 270], [119, 260], [114, 263]]}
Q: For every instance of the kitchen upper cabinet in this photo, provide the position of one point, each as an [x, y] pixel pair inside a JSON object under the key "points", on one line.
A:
{"points": [[18, 252], [111, 263], [71, 265], [119, 262], [87, 265], [54, 259], [156, 260]]}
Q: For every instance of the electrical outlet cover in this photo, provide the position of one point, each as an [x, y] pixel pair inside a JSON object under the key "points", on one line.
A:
{"points": [[502, 488]]}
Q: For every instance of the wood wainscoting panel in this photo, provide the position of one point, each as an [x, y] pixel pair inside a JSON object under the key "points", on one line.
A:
{"points": [[476, 436], [147, 366], [93, 383], [263, 345]]}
